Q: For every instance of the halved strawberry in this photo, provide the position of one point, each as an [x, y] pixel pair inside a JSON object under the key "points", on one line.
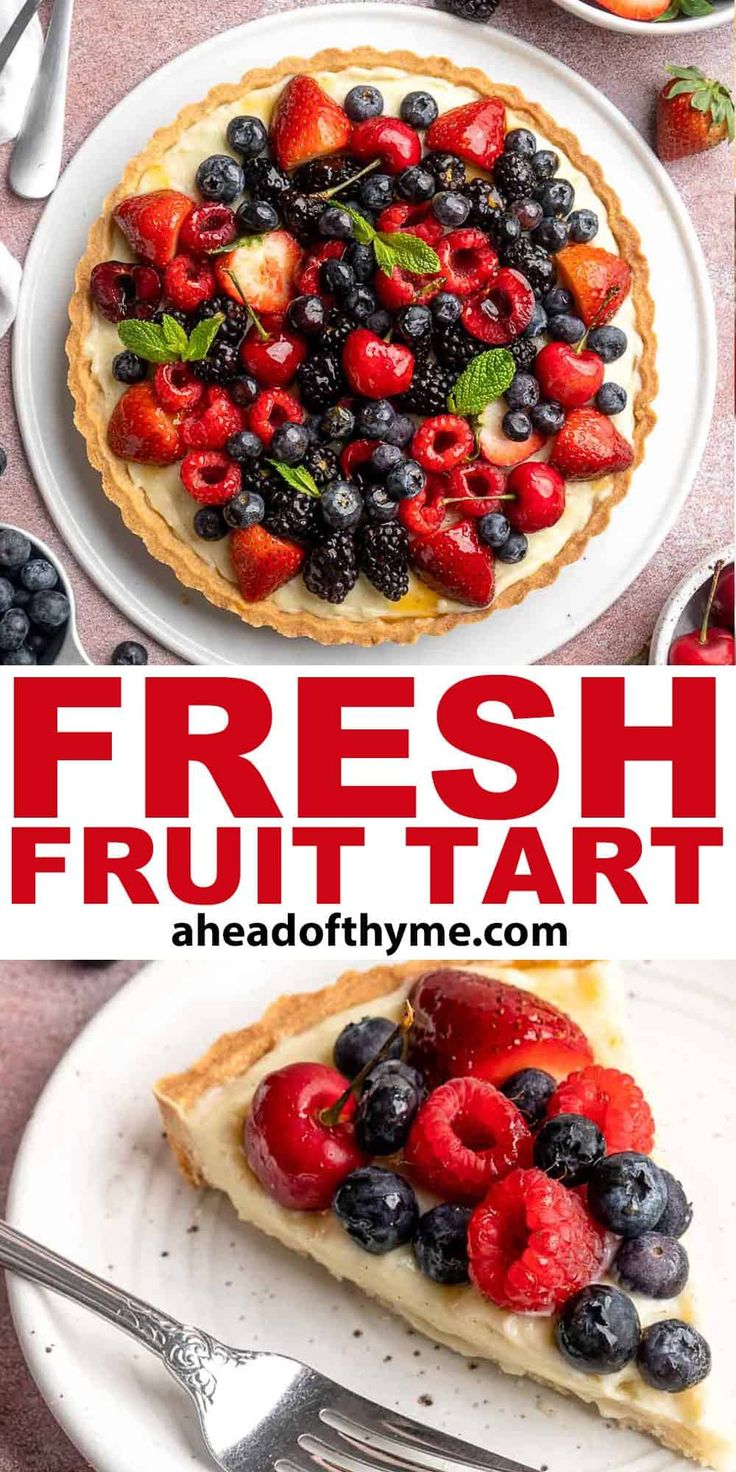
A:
{"points": [[635, 9], [494, 445], [307, 124], [589, 445], [475, 132], [261, 271], [598, 280], [263, 562], [151, 223], [140, 428], [454, 562]]}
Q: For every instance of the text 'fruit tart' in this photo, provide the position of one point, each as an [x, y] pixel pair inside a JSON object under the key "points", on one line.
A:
{"points": [[363, 347], [479, 1161]]}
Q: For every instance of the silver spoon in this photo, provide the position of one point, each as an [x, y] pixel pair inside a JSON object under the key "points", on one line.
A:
{"points": [[36, 162]]}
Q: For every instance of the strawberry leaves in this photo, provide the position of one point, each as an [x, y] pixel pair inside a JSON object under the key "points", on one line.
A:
{"points": [[706, 95], [395, 248], [485, 379], [167, 342]]}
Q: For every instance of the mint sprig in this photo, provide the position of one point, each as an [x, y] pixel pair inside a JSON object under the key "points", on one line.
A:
{"points": [[485, 379], [167, 342], [395, 248], [296, 476]]}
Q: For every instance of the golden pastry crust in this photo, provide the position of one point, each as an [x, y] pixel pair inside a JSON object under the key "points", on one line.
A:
{"points": [[162, 541]]}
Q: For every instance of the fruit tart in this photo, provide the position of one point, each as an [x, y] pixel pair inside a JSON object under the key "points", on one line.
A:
{"points": [[363, 347], [470, 1148]]}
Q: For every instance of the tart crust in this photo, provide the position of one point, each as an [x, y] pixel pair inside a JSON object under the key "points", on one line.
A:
{"points": [[162, 541]]}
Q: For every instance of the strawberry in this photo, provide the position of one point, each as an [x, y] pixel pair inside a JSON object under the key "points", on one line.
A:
{"points": [[140, 428], [496, 447], [261, 271], [474, 132], [307, 124], [151, 223], [262, 562], [453, 561], [589, 445], [643, 10], [598, 280], [694, 113]]}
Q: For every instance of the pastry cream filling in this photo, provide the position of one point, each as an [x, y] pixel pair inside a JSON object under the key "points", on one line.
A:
{"points": [[459, 1316], [162, 486]]}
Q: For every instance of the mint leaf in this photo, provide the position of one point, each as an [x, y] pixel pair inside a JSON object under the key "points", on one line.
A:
{"points": [[385, 258], [174, 335], [486, 378], [409, 252], [297, 477], [201, 338], [147, 339], [362, 228]]}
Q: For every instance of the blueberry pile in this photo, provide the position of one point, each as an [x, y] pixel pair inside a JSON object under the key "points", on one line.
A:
{"points": [[34, 611]]}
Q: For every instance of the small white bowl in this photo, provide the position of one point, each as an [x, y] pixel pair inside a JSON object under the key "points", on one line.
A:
{"points": [[684, 609], [685, 25], [70, 650]]}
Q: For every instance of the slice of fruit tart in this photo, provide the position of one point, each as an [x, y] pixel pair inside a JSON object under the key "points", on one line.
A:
{"points": [[363, 347], [469, 1147]]}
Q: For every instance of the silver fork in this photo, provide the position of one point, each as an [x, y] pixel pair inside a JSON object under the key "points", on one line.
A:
{"points": [[258, 1412]]}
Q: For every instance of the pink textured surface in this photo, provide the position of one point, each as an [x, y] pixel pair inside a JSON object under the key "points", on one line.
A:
{"points": [[116, 45]]}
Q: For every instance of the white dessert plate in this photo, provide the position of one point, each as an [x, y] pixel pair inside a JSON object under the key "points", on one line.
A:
{"points": [[148, 592], [683, 26], [96, 1181]]}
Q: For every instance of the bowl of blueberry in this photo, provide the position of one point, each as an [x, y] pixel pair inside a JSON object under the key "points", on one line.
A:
{"points": [[36, 604]]}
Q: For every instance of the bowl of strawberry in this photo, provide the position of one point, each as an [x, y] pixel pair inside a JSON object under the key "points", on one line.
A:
{"points": [[696, 625], [659, 17]]}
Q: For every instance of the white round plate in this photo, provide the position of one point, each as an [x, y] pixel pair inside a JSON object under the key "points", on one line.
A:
{"points": [[684, 26], [95, 1180], [118, 561]]}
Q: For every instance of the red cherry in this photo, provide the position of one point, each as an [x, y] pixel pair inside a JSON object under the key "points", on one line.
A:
{"points": [[722, 611], [120, 290], [571, 377], [540, 496], [502, 311], [274, 359], [376, 369], [394, 142], [716, 648], [297, 1157]]}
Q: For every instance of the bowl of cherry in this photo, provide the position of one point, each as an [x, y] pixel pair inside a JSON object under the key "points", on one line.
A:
{"points": [[37, 624], [696, 625]]}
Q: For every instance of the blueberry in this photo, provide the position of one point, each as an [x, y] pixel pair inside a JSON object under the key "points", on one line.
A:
{"points": [[609, 343], [38, 574], [311, 424], [538, 323], [673, 1356], [379, 322], [244, 446], [565, 328], [24, 655], [257, 217], [678, 1212], [451, 209], [446, 309], [374, 418], [130, 652], [290, 443], [528, 212], [520, 140], [598, 1330], [220, 179], [15, 549], [247, 508], [391, 1067], [379, 504], [441, 1243], [337, 276], [376, 191], [552, 235], [377, 1208], [406, 481], [414, 325], [611, 398], [7, 593], [21, 597], [386, 457], [360, 259], [359, 1042], [363, 102], [14, 627], [360, 303], [337, 423], [209, 524], [517, 425], [342, 507], [247, 136], [400, 431], [307, 314], [419, 109], [506, 228], [558, 302], [129, 368], [244, 389], [494, 529], [557, 198], [545, 163], [514, 548], [583, 226], [530, 1090], [415, 184], [385, 1113], [522, 392], [567, 1147], [627, 1194], [654, 1265], [548, 417], [50, 609], [335, 223]]}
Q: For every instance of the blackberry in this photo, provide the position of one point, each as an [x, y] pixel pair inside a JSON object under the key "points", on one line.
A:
{"points": [[265, 179], [514, 176], [322, 464], [455, 348], [523, 351], [384, 558], [260, 478], [292, 514], [221, 365], [446, 169], [181, 317], [331, 569], [320, 382], [336, 333], [300, 214], [532, 261], [479, 10], [324, 173], [484, 205], [429, 389], [236, 322]]}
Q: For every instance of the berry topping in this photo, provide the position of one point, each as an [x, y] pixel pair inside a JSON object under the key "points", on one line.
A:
{"points": [[502, 312], [539, 496], [442, 442], [530, 1090], [151, 223], [419, 109], [176, 387], [210, 426], [331, 570], [247, 136], [271, 409], [613, 1102], [532, 1244], [262, 562], [598, 1330], [298, 1158], [467, 261], [388, 139], [220, 179], [210, 477], [627, 1194], [475, 132], [377, 1208], [653, 1265], [363, 101], [673, 1356], [386, 1111], [479, 485], [129, 368], [454, 562], [376, 369], [597, 281], [121, 291], [466, 1135], [261, 272], [383, 556], [273, 359], [589, 446], [140, 429], [441, 1243], [568, 1147], [678, 1212], [307, 124]]}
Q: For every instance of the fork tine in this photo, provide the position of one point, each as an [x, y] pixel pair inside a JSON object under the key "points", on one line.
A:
{"points": [[335, 1457], [421, 1448]]}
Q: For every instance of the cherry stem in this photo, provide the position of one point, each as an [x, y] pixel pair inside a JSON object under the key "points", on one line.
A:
{"points": [[463, 500], [328, 193], [331, 1117], [717, 570], [255, 319]]}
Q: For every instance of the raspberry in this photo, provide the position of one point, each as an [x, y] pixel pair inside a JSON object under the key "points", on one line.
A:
{"points": [[613, 1101], [442, 442], [270, 410], [531, 1244], [211, 427], [467, 260], [176, 387], [210, 477], [465, 1137], [209, 227], [188, 282]]}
